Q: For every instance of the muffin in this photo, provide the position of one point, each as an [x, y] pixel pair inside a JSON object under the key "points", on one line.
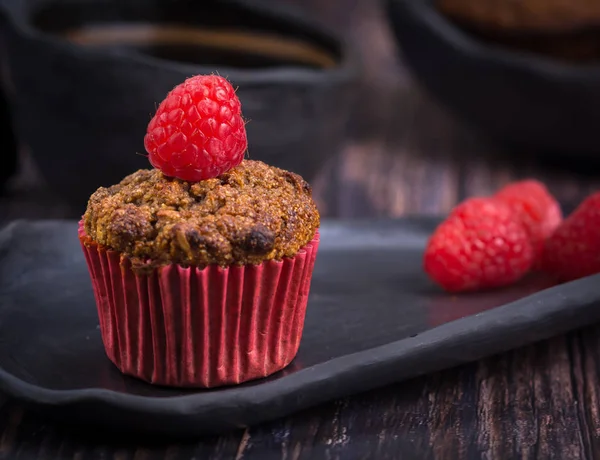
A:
{"points": [[201, 268], [532, 15], [567, 30]]}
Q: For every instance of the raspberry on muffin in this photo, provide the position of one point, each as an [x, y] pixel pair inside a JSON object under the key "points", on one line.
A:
{"points": [[198, 131]]}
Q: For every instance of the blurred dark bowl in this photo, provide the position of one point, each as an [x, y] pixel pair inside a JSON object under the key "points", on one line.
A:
{"points": [[523, 100], [88, 75]]}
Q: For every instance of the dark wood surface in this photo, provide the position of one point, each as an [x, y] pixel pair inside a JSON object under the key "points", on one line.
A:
{"points": [[404, 155]]}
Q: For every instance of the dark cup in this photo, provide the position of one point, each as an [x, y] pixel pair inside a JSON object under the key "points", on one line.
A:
{"points": [[88, 76]]}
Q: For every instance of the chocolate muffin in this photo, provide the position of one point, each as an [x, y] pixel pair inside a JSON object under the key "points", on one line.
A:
{"points": [[568, 30], [248, 215], [201, 267]]}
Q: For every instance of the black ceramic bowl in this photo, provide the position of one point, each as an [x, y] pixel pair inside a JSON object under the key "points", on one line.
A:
{"points": [[523, 100], [88, 75]]}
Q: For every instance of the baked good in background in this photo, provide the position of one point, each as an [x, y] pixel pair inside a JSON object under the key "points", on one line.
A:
{"points": [[566, 30]]}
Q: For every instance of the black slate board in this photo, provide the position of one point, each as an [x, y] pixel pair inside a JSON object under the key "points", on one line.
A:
{"points": [[374, 318]]}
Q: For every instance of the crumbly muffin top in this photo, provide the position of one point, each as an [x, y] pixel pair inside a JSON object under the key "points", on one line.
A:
{"points": [[249, 214]]}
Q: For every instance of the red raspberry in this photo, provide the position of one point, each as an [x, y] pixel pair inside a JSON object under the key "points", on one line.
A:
{"points": [[198, 131], [537, 210], [573, 251], [479, 246]]}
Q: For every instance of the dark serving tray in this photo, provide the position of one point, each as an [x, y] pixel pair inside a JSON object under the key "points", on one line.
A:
{"points": [[374, 318]]}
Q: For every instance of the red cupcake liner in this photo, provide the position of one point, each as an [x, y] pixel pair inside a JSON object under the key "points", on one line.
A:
{"points": [[190, 327]]}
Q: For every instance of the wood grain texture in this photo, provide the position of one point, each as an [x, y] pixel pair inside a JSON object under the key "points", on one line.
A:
{"points": [[404, 155], [539, 402]]}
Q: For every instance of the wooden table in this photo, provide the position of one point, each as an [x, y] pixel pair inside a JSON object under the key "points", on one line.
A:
{"points": [[405, 156]]}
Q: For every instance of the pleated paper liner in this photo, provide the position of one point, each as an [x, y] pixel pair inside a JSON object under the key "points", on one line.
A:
{"points": [[190, 327]]}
